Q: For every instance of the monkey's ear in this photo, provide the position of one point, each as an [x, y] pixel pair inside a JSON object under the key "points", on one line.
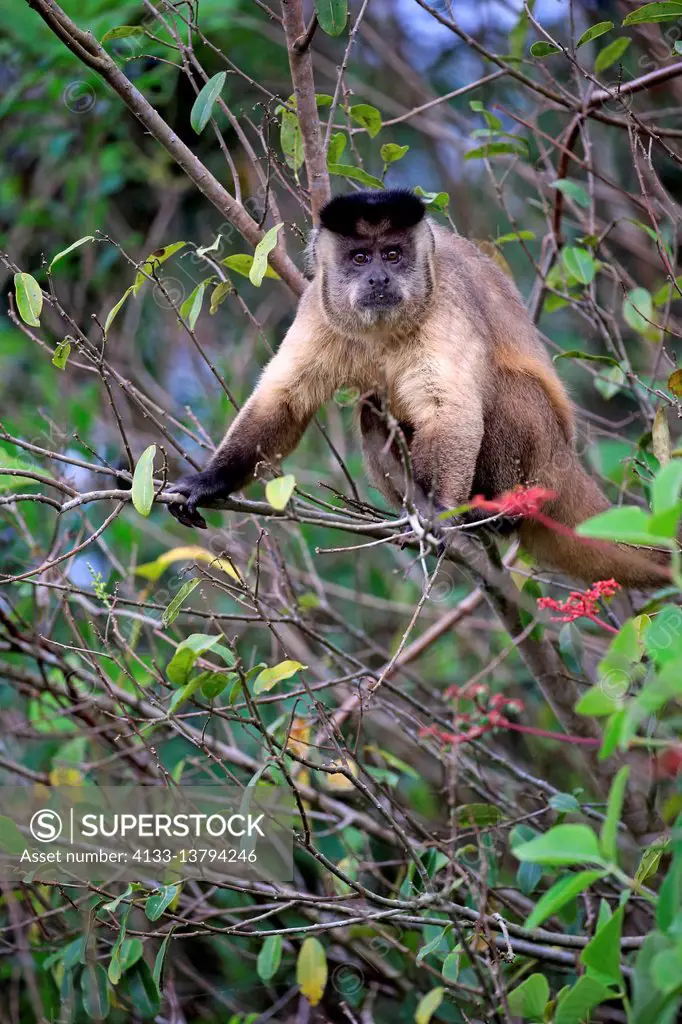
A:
{"points": [[401, 208]]}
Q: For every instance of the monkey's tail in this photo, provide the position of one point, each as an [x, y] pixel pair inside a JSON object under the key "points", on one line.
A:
{"points": [[578, 499]]}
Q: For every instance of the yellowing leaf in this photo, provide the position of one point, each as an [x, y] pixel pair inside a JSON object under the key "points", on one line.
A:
{"points": [[62, 775], [260, 256], [153, 262], [279, 490], [660, 437], [143, 481], [29, 297], [311, 970], [298, 737], [242, 262], [428, 1005], [190, 553], [269, 677], [340, 782]]}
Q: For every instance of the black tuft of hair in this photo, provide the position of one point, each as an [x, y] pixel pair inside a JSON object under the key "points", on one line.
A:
{"points": [[402, 208]]}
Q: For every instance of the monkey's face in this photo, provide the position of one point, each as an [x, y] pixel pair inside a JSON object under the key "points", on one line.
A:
{"points": [[376, 277]]}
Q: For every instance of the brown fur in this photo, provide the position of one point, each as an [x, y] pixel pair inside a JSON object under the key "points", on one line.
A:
{"points": [[467, 381]]}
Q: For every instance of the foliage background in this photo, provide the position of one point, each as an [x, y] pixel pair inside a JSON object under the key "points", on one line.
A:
{"points": [[399, 818]]}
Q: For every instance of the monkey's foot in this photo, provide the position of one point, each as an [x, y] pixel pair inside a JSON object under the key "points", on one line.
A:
{"points": [[199, 489]]}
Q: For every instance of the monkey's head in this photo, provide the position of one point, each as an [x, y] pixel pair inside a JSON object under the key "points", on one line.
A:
{"points": [[374, 254]]}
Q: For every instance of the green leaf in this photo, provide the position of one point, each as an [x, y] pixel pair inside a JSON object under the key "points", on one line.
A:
{"points": [[192, 648], [61, 355], [596, 701], [279, 491], [391, 153], [514, 236], [94, 986], [579, 263], [628, 524], [594, 32], [159, 961], [113, 312], [608, 839], [565, 803], [202, 109], [332, 15], [638, 310], [191, 307], [74, 245], [260, 256], [291, 137], [122, 32], [601, 955], [478, 815], [518, 148], [563, 844], [661, 637], [11, 839], [543, 49], [651, 859], [575, 1005], [573, 190], [666, 488], [575, 353], [337, 144], [269, 958], [368, 117], [450, 969], [430, 947], [219, 294], [355, 174], [666, 970], [213, 683], [29, 297], [142, 990], [311, 970], [428, 1005], [610, 54], [173, 610], [160, 901], [613, 733], [561, 893], [530, 998], [269, 677], [241, 263], [143, 481], [182, 662], [152, 264], [667, 10], [438, 200]]}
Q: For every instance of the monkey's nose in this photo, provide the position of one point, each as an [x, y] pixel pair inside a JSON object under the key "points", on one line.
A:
{"points": [[382, 280]]}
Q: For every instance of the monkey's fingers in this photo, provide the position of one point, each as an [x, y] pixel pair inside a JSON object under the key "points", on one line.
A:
{"points": [[188, 516]]}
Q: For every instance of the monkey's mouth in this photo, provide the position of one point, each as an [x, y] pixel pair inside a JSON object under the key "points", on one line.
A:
{"points": [[380, 300]]}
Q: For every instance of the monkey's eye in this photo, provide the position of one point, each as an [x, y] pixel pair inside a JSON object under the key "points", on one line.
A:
{"points": [[360, 258], [393, 255]]}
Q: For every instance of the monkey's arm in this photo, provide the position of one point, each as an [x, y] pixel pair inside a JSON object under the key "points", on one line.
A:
{"points": [[293, 386]]}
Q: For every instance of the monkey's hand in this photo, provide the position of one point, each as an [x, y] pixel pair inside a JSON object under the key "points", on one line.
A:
{"points": [[199, 489]]}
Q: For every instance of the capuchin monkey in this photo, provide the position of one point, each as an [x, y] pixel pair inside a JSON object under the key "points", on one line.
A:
{"points": [[460, 397]]}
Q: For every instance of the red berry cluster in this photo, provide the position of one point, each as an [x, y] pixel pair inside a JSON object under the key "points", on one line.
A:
{"points": [[488, 712], [582, 604]]}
